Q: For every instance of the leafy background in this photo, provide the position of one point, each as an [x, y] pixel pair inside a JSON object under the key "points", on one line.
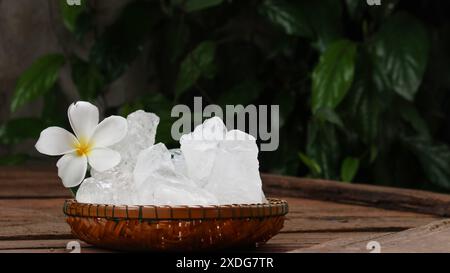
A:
{"points": [[364, 91]]}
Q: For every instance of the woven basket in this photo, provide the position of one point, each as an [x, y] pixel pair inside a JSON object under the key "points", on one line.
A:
{"points": [[165, 228]]}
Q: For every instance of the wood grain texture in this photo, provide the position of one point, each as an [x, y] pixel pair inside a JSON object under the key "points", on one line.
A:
{"points": [[32, 222], [315, 216], [382, 197], [31, 217], [430, 238], [31, 182], [22, 219]]}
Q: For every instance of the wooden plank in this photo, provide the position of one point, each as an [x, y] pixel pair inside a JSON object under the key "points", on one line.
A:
{"points": [[307, 215], [310, 222], [288, 242], [38, 244], [31, 182], [284, 242], [22, 219], [430, 238], [384, 197], [46, 246], [55, 250], [34, 218]]}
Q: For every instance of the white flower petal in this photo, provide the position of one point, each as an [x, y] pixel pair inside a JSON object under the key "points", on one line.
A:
{"points": [[83, 117], [110, 131], [72, 169], [102, 159], [56, 141]]}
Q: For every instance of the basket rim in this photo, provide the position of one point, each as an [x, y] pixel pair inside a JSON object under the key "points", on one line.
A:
{"points": [[273, 208]]}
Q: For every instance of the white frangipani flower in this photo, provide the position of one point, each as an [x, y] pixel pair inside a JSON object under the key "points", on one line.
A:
{"points": [[87, 146]]}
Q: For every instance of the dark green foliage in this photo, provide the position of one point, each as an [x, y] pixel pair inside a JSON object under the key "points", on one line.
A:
{"points": [[37, 80], [364, 91], [333, 76], [349, 169], [400, 52], [87, 77], [197, 63]]}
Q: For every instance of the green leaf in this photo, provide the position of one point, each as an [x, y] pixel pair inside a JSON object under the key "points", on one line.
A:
{"points": [[18, 130], [37, 80], [319, 21], [87, 78], [400, 52], [349, 169], [198, 63], [329, 115], [333, 76], [366, 100], [311, 164], [365, 107], [197, 5], [434, 158], [71, 13], [288, 16]]}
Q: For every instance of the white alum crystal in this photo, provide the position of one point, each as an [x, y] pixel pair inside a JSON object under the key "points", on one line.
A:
{"points": [[200, 149], [235, 177], [160, 183], [95, 192], [224, 163], [178, 161], [154, 165], [175, 194], [213, 166], [141, 135]]}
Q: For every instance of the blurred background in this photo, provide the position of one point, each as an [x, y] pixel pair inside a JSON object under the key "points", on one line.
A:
{"points": [[364, 90]]}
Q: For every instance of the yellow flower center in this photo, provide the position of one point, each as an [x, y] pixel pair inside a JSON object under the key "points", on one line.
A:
{"points": [[83, 147]]}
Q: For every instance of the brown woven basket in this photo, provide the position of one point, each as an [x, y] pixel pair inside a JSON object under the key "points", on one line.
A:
{"points": [[164, 228]]}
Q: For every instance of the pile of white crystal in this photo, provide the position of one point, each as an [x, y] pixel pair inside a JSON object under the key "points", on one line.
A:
{"points": [[213, 166]]}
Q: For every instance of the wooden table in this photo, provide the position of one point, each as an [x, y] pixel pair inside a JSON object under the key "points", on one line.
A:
{"points": [[324, 216]]}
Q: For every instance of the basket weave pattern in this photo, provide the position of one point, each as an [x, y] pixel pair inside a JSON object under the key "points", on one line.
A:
{"points": [[157, 228]]}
